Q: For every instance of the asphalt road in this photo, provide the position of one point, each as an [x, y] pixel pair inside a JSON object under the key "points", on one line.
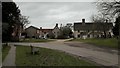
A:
{"points": [[92, 53]]}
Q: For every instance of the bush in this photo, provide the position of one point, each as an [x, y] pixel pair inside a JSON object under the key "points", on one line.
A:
{"points": [[4, 46], [62, 36], [51, 35]]}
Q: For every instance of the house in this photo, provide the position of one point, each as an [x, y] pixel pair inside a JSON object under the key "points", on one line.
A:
{"points": [[34, 32], [56, 31], [91, 30], [44, 32]]}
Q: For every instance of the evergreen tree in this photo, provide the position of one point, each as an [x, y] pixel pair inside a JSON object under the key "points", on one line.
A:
{"points": [[116, 28], [10, 17]]}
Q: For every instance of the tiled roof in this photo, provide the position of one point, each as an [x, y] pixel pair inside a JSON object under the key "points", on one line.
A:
{"points": [[92, 26], [32, 27], [39, 29]]}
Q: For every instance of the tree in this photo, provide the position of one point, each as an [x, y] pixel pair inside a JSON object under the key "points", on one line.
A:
{"points": [[13, 22], [10, 16], [101, 19], [24, 20], [66, 32], [111, 9], [116, 27], [51, 35]]}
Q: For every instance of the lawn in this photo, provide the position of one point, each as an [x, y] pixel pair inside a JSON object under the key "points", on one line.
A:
{"points": [[5, 51], [47, 57], [36, 40], [110, 43]]}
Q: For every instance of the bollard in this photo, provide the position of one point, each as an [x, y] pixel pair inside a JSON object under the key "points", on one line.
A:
{"points": [[31, 49]]}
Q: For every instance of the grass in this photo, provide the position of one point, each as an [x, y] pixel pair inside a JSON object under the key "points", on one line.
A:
{"points": [[109, 43], [35, 40], [5, 51], [47, 57]]}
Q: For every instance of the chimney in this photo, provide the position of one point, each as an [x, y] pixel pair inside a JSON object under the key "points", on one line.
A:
{"points": [[40, 28], [83, 21], [56, 25], [61, 25]]}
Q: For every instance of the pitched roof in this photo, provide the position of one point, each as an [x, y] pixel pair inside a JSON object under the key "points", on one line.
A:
{"points": [[39, 29], [32, 27], [92, 26], [46, 30]]}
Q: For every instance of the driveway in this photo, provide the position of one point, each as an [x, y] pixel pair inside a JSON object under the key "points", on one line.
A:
{"points": [[87, 51]]}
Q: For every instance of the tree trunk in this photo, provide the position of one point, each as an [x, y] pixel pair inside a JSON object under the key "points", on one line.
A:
{"points": [[105, 36]]}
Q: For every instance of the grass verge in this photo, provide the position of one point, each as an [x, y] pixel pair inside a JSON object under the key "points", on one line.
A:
{"points": [[5, 51], [110, 43], [47, 57], [36, 40]]}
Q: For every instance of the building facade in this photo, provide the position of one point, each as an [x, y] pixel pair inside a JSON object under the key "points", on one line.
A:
{"points": [[56, 31], [92, 30], [34, 32], [44, 32]]}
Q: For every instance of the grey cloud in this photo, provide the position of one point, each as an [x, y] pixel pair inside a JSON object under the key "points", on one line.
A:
{"points": [[6, 0], [46, 14]]}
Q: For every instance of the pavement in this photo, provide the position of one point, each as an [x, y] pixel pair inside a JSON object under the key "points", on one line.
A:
{"points": [[92, 53], [10, 58]]}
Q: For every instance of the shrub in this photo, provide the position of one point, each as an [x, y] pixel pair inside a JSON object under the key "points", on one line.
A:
{"points": [[51, 35]]}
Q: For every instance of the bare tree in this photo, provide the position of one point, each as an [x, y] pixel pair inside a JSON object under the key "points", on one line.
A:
{"points": [[100, 18], [24, 20], [110, 9]]}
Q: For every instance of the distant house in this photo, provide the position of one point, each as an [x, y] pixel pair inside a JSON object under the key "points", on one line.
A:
{"points": [[56, 31], [89, 29], [44, 32], [34, 32]]}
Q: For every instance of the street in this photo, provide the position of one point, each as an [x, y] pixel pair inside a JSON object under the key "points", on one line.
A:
{"points": [[92, 53]]}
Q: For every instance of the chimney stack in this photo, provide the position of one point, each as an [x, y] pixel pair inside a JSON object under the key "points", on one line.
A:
{"points": [[40, 28], [56, 24], [83, 21]]}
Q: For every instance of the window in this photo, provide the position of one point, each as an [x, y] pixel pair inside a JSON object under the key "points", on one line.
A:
{"points": [[88, 30], [44, 32], [37, 31]]}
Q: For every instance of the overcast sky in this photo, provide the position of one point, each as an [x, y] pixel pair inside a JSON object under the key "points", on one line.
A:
{"points": [[47, 14]]}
